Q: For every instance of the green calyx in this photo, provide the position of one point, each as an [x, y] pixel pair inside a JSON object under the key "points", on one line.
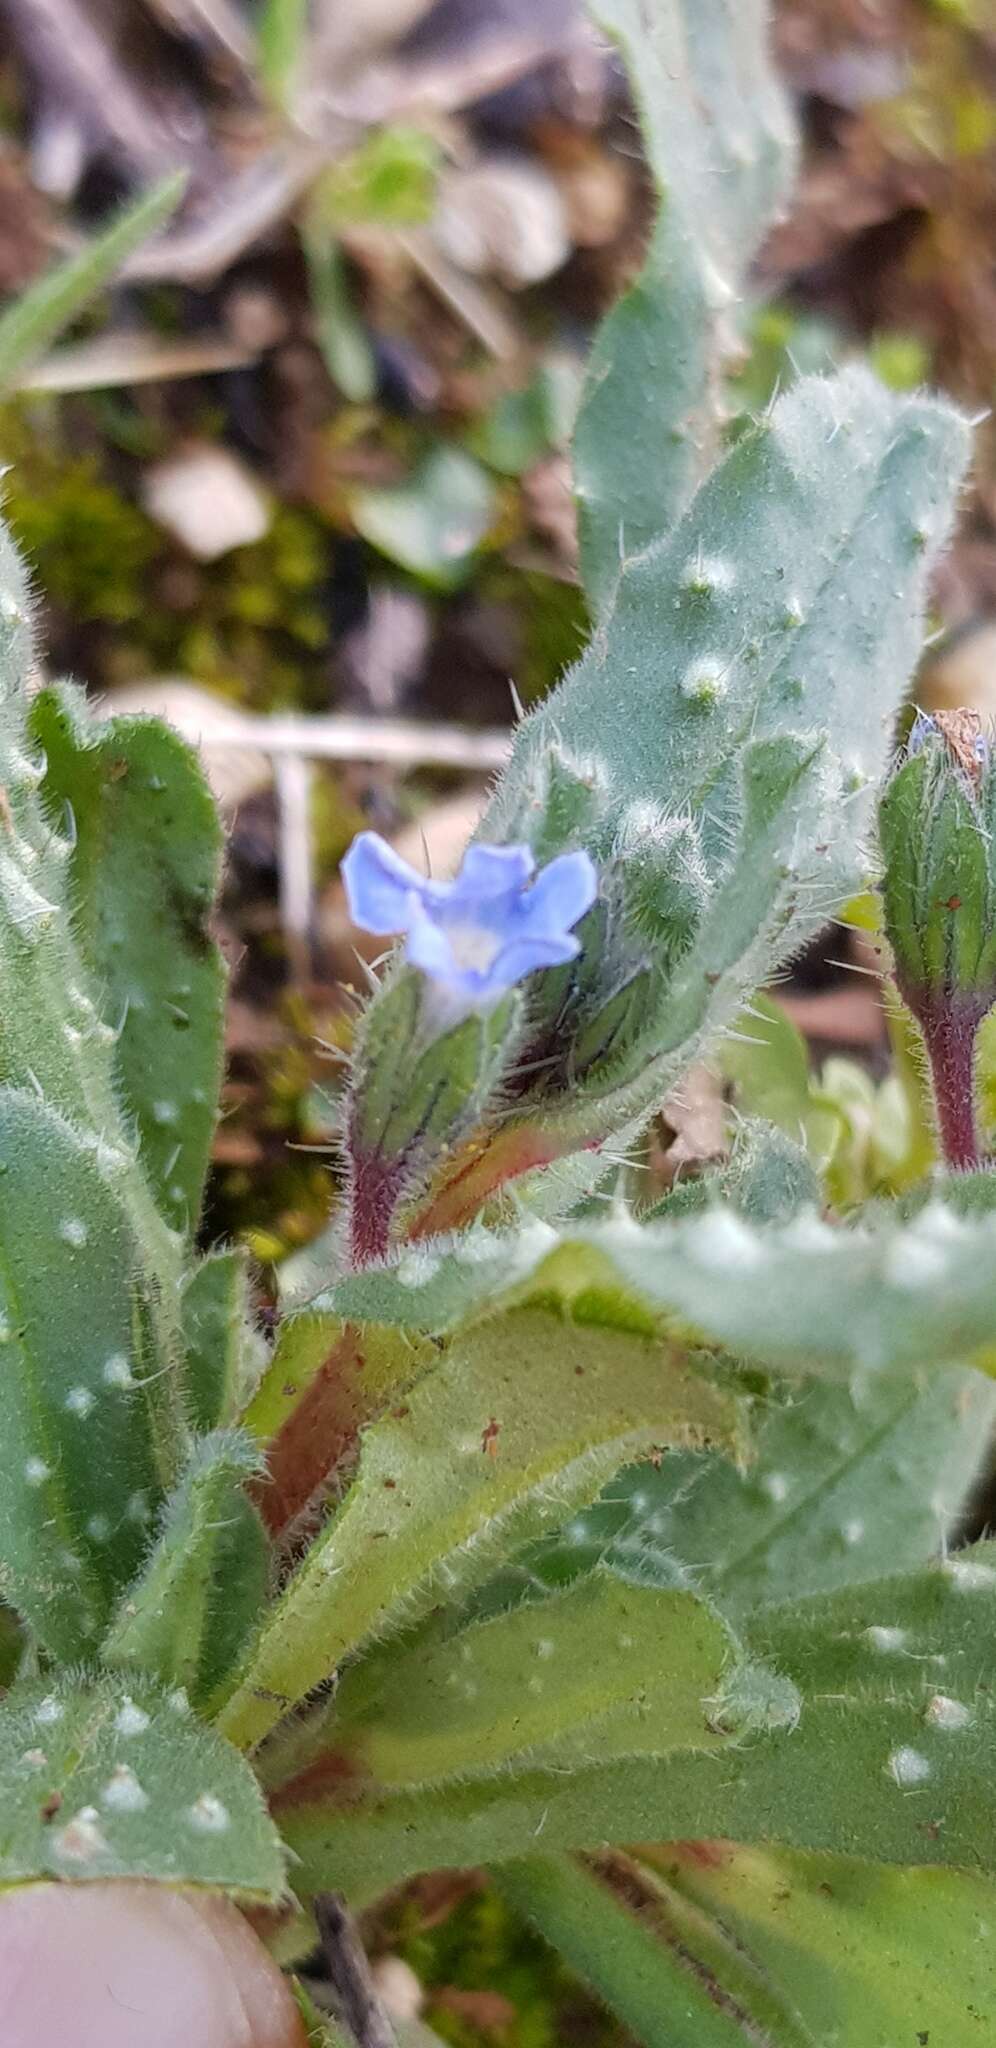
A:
{"points": [[939, 899], [939, 884], [416, 1091]]}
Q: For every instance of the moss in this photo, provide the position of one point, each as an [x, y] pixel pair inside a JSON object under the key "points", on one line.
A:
{"points": [[89, 549], [482, 1946], [259, 630], [552, 621], [254, 625]]}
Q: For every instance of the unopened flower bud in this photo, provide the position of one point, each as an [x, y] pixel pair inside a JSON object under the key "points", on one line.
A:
{"points": [[939, 896]]}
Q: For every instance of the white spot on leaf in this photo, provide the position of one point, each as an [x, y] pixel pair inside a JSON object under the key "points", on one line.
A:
{"points": [[416, 1268], [117, 1371], [968, 1576], [916, 1263], [775, 1485], [909, 1766], [704, 682], [208, 1815], [723, 1242], [123, 1792], [708, 575], [130, 1719], [943, 1712], [889, 1640], [81, 1840]]}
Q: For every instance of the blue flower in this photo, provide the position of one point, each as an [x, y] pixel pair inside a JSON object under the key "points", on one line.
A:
{"points": [[478, 935]]}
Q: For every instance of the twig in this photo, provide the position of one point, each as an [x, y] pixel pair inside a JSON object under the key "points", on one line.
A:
{"points": [[109, 360], [214, 23], [349, 1972], [247, 205], [406, 743], [471, 302], [77, 69], [293, 780], [242, 208], [443, 83]]}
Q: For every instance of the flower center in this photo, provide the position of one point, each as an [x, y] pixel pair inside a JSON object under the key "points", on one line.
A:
{"points": [[475, 948]]}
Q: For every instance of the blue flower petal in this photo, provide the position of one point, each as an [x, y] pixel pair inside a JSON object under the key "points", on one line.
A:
{"points": [[561, 893], [427, 945], [923, 728], [530, 950], [492, 870], [379, 885]]}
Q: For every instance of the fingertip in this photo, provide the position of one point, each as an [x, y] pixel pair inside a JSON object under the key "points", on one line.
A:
{"points": [[137, 1966]]}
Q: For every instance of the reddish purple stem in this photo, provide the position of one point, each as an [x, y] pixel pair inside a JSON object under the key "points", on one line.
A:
{"points": [[949, 1023], [373, 1194]]}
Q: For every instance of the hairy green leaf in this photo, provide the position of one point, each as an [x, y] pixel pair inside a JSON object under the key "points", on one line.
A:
{"points": [[718, 139], [863, 1954], [707, 1945], [143, 875], [86, 1419], [203, 1587], [525, 1685], [883, 1295], [754, 661], [837, 1491], [325, 1380], [669, 1972], [100, 1781], [519, 1423], [223, 1350], [54, 1040], [887, 1759]]}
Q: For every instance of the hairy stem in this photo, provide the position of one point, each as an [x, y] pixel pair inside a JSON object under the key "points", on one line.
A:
{"points": [[372, 1199], [949, 1024]]}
